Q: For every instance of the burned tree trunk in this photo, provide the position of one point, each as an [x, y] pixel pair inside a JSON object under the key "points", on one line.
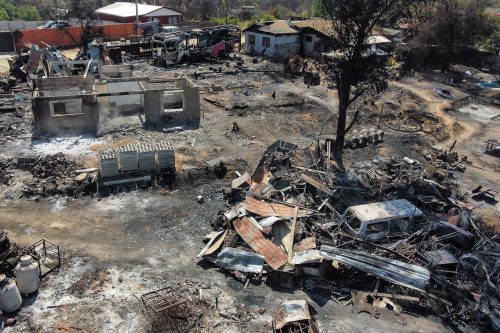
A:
{"points": [[344, 92], [352, 22]]}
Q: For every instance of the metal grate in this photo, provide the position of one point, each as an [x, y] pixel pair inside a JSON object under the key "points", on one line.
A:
{"points": [[162, 299], [47, 254]]}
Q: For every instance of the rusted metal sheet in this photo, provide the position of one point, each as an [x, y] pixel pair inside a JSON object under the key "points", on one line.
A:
{"points": [[316, 184], [267, 209], [273, 255], [290, 311], [395, 271]]}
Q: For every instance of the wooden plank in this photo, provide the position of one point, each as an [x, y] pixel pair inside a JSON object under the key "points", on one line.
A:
{"points": [[216, 245], [291, 235], [313, 182]]}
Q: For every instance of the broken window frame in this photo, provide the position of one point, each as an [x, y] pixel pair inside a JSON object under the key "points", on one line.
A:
{"points": [[251, 39], [172, 108], [266, 42], [69, 105]]}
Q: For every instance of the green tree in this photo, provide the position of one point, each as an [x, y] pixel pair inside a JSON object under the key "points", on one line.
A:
{"points": [[9, 9], [451, 26], [28, 13], [3, 15], [317, 9]]}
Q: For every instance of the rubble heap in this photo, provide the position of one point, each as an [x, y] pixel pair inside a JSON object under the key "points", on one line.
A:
{"points": [[5, 176], [57, 165], [56, 175], [419, 243]]}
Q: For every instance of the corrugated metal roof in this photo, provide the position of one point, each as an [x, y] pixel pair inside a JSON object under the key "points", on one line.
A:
{"points": [[127, 9], [395, 271], [273, 255], [380, 211], [266, 209]]}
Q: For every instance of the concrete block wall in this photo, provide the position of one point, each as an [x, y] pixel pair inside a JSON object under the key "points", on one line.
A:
{"points": [[48, 124], [81, 106]]}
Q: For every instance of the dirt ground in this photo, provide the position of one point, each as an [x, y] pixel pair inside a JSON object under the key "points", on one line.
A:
{"points": [[119, 247]]}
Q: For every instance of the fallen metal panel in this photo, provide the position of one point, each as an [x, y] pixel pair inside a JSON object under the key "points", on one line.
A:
{"points": [[239, 260], [269, 221], [380, 211], [273, 255], [395, 271], [267, 209], [237, 210], [290, 311]]}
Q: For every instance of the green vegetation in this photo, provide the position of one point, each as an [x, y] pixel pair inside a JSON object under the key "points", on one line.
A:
{"points": [[28, 13], [260, 16], [222, 20], [317, 9], [3, 14], [24, 12]]}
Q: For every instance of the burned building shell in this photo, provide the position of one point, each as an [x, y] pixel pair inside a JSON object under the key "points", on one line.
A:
{"points": [[88, 104]]}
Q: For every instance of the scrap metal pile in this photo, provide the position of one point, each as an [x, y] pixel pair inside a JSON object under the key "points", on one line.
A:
{"points": [[407, 238]]}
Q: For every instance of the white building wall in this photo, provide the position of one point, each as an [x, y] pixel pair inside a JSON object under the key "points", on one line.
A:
{"points": [[309, 46], [277, 43]]}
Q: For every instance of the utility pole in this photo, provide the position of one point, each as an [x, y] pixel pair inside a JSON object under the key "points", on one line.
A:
{"points": [[227, 5], [136, 17]]}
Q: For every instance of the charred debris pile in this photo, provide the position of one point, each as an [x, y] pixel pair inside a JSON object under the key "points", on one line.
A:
{"points": [[50, 175], [388, 237]]}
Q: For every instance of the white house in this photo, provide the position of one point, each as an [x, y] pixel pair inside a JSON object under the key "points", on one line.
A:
{"points": [[275, 39], [272, 39]]}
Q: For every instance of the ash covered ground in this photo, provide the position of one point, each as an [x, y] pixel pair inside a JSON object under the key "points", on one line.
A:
{"points": [[120, 246]]}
